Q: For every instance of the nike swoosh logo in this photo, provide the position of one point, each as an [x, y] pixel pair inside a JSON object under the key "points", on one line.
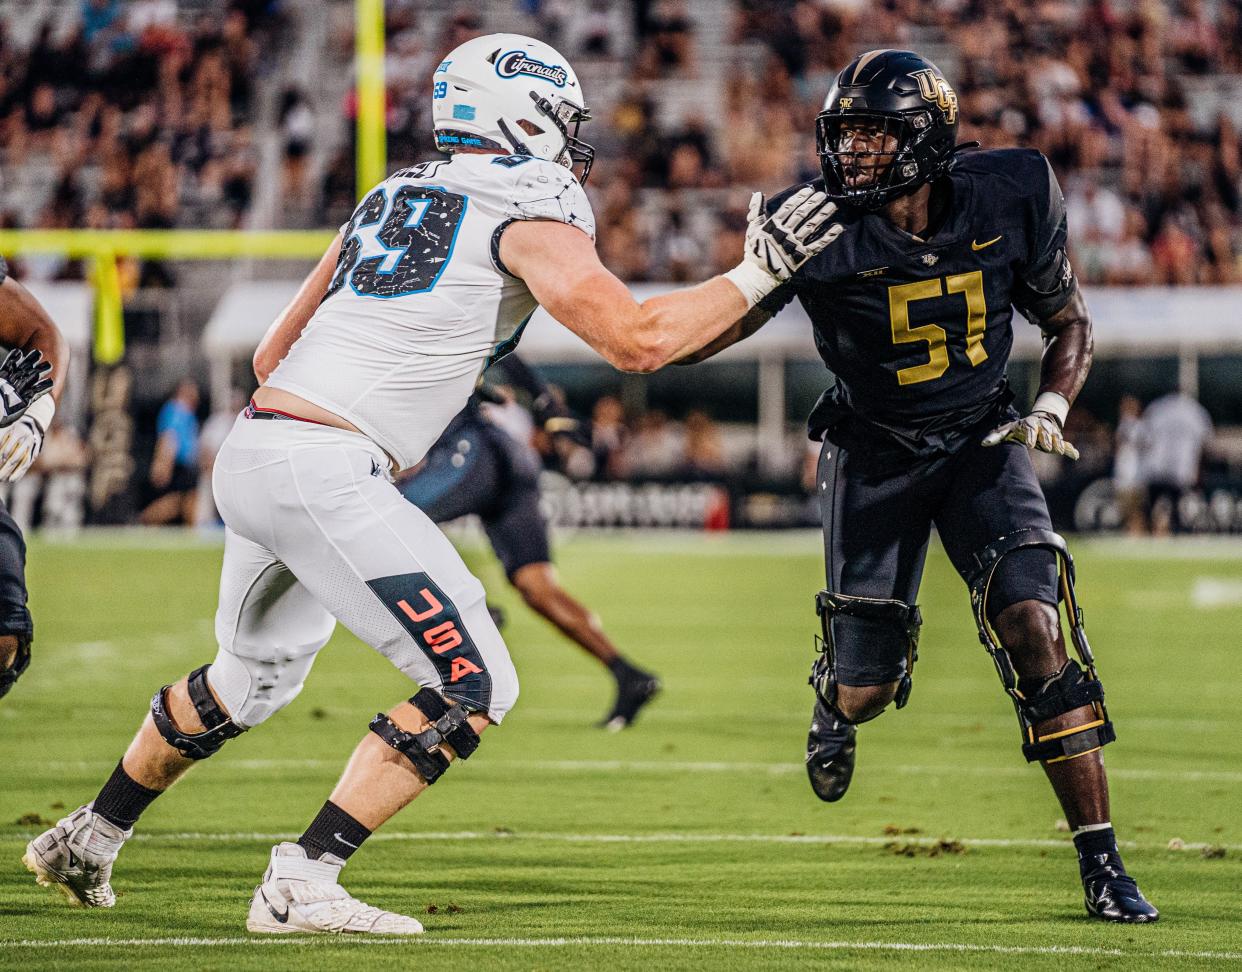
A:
{"points": [[338, 836], [74, 860], [282, 918], [974, 245]]}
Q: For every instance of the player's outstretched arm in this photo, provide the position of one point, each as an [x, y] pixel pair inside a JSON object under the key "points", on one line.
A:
{"points": [[32, 376], [1068, 351], [26, 325], [291, 321], [754, 319], [563, 271]]}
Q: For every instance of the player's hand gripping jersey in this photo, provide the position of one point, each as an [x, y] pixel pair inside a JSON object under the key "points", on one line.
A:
{"points": [[420, 303], [918, 334]]}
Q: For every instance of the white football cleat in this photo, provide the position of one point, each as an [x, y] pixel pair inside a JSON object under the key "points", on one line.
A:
{"points": [[299, 895], [76, 856]]}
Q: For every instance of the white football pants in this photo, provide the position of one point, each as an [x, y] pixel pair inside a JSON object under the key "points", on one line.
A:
{"points": [[316, 533]]}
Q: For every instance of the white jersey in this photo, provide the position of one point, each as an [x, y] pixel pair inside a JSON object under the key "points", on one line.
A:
{"points": [[420, 303]]}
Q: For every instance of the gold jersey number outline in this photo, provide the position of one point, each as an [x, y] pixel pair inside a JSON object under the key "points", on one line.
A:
{"points": [[900, 297]]}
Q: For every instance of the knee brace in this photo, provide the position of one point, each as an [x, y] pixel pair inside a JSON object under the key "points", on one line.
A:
{"points": [[423, 749], [21, 661], [1073, 687], [219, 728], [906, 618]]}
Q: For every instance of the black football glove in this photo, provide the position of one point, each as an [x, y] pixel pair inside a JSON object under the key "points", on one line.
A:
{"points": [[24, 378]]}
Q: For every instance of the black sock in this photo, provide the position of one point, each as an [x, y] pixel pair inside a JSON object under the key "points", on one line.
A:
{"points": [[333, 831], [122, 799], [623, 671], [1092, 843]]}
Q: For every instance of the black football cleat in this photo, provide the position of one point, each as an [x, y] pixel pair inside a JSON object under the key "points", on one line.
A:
{"points": [[830, 749], [635, 689], [1110, 894]]}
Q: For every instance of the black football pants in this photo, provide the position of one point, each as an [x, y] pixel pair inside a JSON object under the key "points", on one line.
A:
{"points": [[876, 530]]}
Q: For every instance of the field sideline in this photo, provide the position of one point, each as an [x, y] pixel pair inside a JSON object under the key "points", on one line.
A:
{"points": [[691, 841]]}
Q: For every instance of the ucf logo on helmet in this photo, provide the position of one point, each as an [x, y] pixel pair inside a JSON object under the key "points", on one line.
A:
{"points": [[936, 89], [517, 62]]}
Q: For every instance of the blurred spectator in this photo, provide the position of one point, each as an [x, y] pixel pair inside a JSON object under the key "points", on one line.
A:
{"points": [[174, 466], [1127, 465], [704, 455], [597, 30], [297, 129], [57, 481], [609, 437], [63, 451], [657, 448], [1175, 432], [668, 46]]}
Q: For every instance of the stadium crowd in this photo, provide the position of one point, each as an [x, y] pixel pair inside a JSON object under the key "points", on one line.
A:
{"points": [[136, 116], [1101, 87]]}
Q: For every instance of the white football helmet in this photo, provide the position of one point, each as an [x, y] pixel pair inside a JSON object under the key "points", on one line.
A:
{"points": [[512, 94]]}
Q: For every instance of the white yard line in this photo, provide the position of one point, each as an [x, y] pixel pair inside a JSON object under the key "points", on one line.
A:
{"points": [[593, 941], [857, 840], [674, 766]]}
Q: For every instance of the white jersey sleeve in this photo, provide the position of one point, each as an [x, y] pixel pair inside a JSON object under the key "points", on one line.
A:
{"points": [[420, 303]]}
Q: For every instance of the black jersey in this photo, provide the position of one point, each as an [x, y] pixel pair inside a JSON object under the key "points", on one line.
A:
{"points": [[918, 333]]}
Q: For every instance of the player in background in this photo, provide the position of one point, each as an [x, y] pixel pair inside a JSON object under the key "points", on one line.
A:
{"points": [[912, 312], [429, 282], [479, 468], [32, 378]]}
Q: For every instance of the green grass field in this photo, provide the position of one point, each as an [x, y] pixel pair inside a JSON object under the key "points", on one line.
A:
{"points": [[690, 841]]}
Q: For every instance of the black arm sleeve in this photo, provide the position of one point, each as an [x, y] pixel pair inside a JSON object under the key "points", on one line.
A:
{"points": [[1047, 282], [512, 370]]}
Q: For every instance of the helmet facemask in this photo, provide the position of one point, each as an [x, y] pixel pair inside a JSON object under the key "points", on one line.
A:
{"points": [[868, 158], [563, 114]]}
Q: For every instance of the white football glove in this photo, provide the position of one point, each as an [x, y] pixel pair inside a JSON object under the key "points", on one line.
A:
{"points": [[20, 445], [1041, 430], [778, 245]]}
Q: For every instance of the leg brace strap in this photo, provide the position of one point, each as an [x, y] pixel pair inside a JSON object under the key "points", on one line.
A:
{"points": [[447, 725], [218, 727], [1073, 687], [906, 617], [1067, 690]]}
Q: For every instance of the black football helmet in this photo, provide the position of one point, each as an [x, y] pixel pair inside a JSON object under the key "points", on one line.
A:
{"points": [[888, 126]]}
